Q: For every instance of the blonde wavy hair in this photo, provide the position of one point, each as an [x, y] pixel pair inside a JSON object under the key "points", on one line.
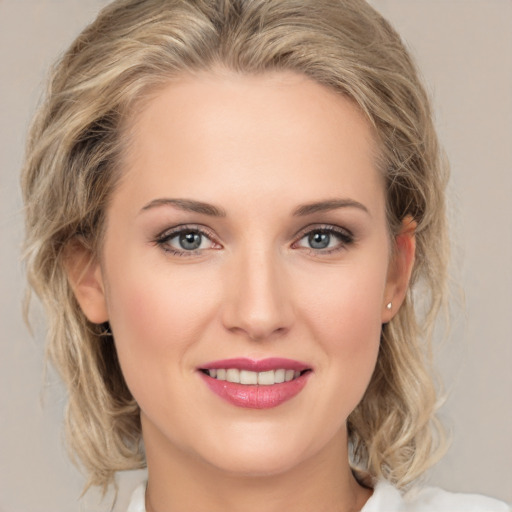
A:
{"points": [[71, 169]]}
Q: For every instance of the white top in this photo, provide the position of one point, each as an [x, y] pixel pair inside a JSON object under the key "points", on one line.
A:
{"points": [[387, 498]]}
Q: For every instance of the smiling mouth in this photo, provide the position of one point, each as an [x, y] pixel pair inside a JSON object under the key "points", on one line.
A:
{"points": [[251, 378], [256, 384]]}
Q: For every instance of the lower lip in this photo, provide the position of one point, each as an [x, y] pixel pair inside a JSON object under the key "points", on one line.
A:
{"points": [[253, 396]]}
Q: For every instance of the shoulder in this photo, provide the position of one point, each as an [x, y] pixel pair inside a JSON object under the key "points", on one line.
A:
{"points": [[387, 498], [138, 501], [432, 498]]}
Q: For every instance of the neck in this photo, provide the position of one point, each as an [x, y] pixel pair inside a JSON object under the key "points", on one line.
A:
{"points": [[180, 481]]}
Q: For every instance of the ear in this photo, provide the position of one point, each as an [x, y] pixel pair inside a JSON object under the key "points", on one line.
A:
{"points": [[400, 269], [85, 277]]}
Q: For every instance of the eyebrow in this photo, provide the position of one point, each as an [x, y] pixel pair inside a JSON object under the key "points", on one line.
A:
{"points": [[188, 205], [191, 205], [329, 204]]}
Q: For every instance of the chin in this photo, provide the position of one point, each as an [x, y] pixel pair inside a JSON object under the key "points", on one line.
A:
{"points": [[260, 465], [265, 454]]}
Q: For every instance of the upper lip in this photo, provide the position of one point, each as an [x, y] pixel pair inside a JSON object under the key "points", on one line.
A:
{"points": [[261, 365]]}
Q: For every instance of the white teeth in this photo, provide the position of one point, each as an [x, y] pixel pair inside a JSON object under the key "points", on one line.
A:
{"points": [[266, 378], [247, 377], [279, 376], [233, 375]]}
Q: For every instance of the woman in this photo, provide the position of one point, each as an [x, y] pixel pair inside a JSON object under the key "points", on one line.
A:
{"points": [[229, 207]]}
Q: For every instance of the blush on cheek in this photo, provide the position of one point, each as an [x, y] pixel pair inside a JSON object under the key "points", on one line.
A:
{"points": [[358, 349], [145, 346], [349, 310], [147, 325], [346, 322], [154, 325]]}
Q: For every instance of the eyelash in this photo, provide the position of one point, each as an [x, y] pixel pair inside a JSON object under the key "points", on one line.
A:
{"points": [[164, 238], [344, 236]]}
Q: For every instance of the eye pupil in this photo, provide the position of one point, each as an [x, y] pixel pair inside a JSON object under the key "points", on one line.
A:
{"points": [[319, 240], [190, 241]]}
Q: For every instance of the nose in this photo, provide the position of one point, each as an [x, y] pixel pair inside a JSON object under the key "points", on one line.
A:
{"points": [[258, 298]]}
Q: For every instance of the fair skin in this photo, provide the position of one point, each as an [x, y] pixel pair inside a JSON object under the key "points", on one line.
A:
{"points": [[269, 275]]}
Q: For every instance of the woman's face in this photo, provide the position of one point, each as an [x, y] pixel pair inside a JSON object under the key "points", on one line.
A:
{"points": [[249, 226]]}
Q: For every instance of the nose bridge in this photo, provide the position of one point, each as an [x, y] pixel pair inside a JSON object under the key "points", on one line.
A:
{"points": [[258, 301]]}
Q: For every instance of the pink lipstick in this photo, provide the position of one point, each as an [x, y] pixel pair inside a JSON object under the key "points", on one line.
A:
{"points": [[256, 384]]}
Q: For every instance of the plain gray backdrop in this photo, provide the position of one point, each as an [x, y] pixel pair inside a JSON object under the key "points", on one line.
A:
{"points": [[464, 49]]}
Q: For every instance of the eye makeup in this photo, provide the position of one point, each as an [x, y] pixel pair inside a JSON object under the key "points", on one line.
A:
{"points": [[192, 240], [187, 240]]}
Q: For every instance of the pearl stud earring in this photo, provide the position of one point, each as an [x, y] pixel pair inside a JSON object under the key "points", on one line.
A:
{"points": [[389, 305]]}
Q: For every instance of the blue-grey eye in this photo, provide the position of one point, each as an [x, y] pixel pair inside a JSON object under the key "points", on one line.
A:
{"points": [[190, 240], [185, 241], [319, 240], [326, 240]]}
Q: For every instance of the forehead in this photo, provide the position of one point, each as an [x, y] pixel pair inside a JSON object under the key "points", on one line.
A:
{"points": [[212, 135]]}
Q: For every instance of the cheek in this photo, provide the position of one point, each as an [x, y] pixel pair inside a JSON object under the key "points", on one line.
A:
{"points": [[147, 316], [348, 307], [344, 318], [156, 318]]}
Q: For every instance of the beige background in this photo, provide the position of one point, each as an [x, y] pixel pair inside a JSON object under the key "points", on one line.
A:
{"points": [[464, 48]]}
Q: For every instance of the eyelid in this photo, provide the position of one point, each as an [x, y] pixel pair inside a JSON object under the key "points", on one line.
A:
{"points": [[346, 237], [185, 227], [164, 236], [323, 227]]}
